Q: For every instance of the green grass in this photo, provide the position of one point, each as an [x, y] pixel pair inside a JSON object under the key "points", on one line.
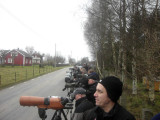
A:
{"points": [[10, 75]]}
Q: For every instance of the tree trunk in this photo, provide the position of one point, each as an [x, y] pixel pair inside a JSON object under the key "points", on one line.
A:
{"points": [[151, 88], [120, 42], [97, 64], [134, 75], [124, 43], [114, 58]]}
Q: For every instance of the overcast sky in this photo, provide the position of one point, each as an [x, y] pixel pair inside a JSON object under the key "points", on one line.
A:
{"points": [[42, 24]]}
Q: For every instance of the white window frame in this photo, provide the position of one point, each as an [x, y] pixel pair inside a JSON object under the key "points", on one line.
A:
{"points": [[26, 61], [16, 53], [9, 60]]}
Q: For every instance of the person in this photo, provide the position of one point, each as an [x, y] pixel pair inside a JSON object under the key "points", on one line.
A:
{"points": [[92, 83], [81, 103], [76, 72], [107, 93], [156, 117], [85, 66], [83, 71], [92, 72]]}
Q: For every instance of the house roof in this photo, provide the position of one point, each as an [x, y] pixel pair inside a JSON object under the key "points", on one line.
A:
{"points": [[23, 53], [18, 50], [37, 54]]}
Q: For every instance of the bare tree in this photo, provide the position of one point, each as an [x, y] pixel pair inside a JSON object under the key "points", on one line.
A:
{"points": [[59, 59], [123, 37], [49, 60], [84, 60], [30, 50], [71, 61], [2, 56]]}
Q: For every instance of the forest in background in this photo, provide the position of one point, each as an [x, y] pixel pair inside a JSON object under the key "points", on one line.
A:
{"points": [[124, 39]]}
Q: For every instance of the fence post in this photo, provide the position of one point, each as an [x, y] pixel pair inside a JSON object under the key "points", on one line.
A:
{"points": [[33, 70], [0, 79], [15, 76], [26, 74]]}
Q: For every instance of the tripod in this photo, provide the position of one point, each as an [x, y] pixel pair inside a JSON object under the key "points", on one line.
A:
{"points": [[58, 113]]}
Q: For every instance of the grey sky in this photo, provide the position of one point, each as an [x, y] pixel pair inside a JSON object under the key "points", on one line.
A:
{"points": [[42, 24]]}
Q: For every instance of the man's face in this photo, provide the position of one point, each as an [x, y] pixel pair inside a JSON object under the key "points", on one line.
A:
{"points": [[101, 96], [90, 81], [78, 96]]}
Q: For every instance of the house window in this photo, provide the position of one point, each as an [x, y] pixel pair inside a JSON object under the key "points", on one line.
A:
{"points": [[34, 61], [30, 62], [38, 61], [9, 60], [14, 53], [26, 61]]}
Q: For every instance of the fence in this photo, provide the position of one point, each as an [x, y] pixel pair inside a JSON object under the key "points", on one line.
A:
{"points": [[10, 75]]}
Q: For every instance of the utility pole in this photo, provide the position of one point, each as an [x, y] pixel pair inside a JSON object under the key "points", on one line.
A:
{"points": [[55, 57]]}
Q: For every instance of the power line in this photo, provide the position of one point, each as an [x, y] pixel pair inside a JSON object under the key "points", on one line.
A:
{"points": [[20, 21]]}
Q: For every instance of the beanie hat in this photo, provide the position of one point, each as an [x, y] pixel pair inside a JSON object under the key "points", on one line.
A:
{"points": [[93, 76], [78, 91], [113, 86], [156, 117]]}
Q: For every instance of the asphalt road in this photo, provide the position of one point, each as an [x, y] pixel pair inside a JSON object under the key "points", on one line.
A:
{"points": [[47, 85]]}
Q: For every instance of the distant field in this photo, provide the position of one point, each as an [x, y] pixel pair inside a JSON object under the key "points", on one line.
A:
{"points": [[10, 75]]}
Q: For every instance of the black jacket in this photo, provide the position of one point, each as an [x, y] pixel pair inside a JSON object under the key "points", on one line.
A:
{"points": [[117, 113], [81, 106], [90, 92]]}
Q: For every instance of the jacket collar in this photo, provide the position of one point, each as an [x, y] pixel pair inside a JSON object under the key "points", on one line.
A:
{"points": [[110, 113], [79, 101]]}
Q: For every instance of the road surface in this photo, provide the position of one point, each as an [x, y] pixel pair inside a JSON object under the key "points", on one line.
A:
{"points": [[47, 85]]}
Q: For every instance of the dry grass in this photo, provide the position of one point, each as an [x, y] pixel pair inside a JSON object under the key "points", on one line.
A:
{"points": [[137, 103]]}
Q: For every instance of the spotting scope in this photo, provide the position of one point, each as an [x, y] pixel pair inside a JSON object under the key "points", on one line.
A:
{"points": [[51, 102]]}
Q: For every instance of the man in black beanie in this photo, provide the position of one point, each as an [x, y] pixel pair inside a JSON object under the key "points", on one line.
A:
{"points": [[107, 93]]}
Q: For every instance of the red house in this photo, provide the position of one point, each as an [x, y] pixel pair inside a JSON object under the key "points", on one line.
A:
{"points": [[18, 57]]}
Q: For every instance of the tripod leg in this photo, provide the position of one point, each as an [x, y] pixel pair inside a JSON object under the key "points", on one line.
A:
{"points": [[71, 114], [65, 117], [55, 114]]}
